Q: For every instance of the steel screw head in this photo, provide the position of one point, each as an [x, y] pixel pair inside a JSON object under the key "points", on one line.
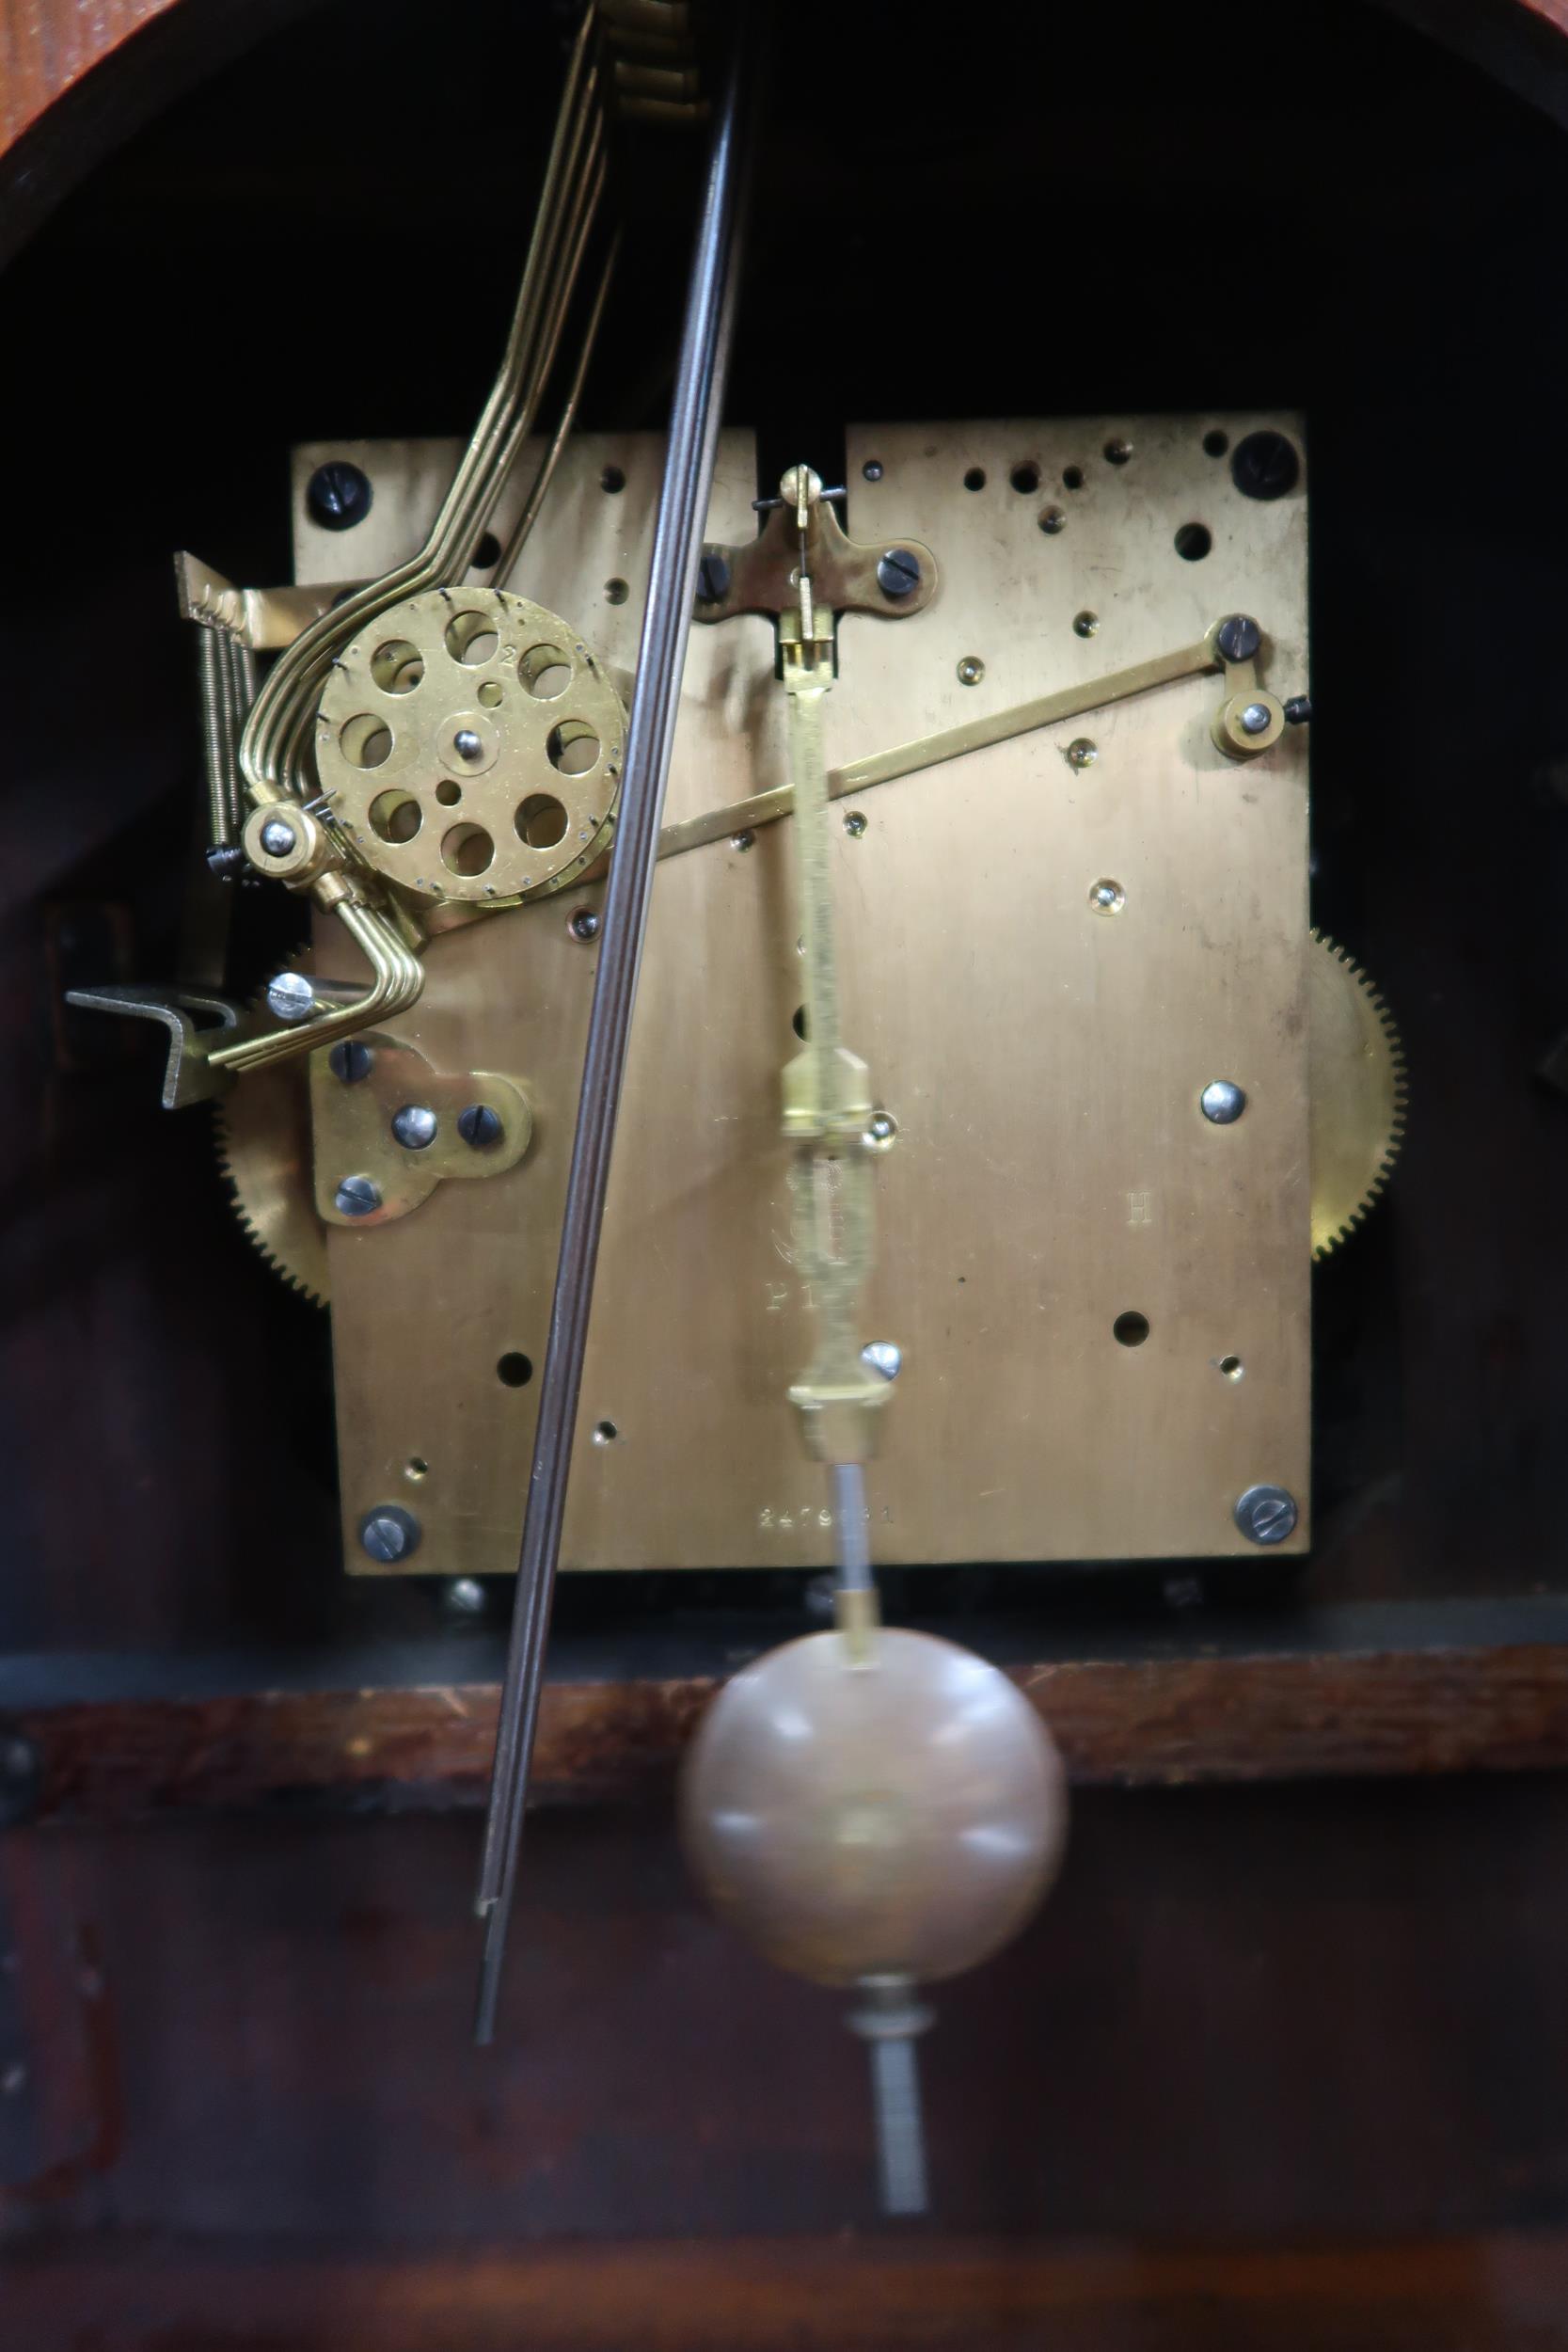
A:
{"points": [[881, 1131], [1238, 637], [1223, 1101], [854, 824], [713, 577], [742, 840], [1266, 1515], [872, 470], [1265, 465], [356, 1195], [884, 1356], [279, 838], [1254, 718], [463, 1595], [290, 998], [971, 670], [898, 573], [390, 1533], [350, 1061], [337, 495], [1298, 710], [466, 743], [583, 923], [415, 1126], [1106, 897], [1080, 753], [479, 1125]]}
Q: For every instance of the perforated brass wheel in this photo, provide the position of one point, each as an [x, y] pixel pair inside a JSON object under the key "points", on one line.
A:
{"points": [[470, 745]]}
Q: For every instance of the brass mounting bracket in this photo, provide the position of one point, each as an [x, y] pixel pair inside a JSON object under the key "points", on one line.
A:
{"points": [[353, 1125], [763, 576]]}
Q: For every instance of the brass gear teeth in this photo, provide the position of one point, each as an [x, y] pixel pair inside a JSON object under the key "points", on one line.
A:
{"points": [[300, 1275], [262, 1133], [1359, 1093]]}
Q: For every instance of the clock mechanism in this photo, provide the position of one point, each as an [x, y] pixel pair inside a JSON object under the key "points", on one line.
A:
{"points": [[810, 1035]]}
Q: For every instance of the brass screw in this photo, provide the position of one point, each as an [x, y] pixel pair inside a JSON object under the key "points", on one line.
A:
{"points": [[971, 670]]}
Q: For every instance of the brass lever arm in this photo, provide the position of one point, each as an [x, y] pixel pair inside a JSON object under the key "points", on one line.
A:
{"points": [[929, 750]]}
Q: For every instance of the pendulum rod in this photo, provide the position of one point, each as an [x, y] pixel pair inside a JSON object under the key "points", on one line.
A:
{"points": [[661, 656], [827, 1106], [828, 1115]]}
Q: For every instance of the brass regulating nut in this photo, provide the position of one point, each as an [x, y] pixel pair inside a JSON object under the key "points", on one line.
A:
{"points": [[285, 843], [1247, 723]]}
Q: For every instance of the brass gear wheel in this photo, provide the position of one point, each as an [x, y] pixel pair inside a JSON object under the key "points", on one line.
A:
{"points": [[1357, 1093], [470, 744], [263, 1146]]}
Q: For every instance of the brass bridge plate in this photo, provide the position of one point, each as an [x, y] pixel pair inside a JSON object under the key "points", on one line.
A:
{"points": [[1049, 946]]}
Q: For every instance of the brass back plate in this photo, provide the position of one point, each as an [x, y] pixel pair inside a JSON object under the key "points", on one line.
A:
{"points": [[1043, 1054]]}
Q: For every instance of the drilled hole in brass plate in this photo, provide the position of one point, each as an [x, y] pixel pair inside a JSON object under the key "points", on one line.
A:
{"points": [[397, 666], [490, 692], [1072, 477], [798, 1022], [487, 554], [1193, 542], [395, 815], [416, 1468], [448, 793], [467, 850], [472, 637], [1052, 519], [605, 1433], [546, 671], [367, 741], [612, 479], [1232, 1366], [514, 1369], [1026, 480], [572, 748], [976, 478], [541, 822], [1086, 624], [1130, 1329], [615, 592], [1215, 443]]}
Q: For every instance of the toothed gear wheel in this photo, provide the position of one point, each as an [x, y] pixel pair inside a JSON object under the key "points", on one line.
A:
{"points": [[1357, 1093], [264, 1146]]}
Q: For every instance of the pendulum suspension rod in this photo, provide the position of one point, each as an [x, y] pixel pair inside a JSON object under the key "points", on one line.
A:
{"points": [[662, 658]]}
